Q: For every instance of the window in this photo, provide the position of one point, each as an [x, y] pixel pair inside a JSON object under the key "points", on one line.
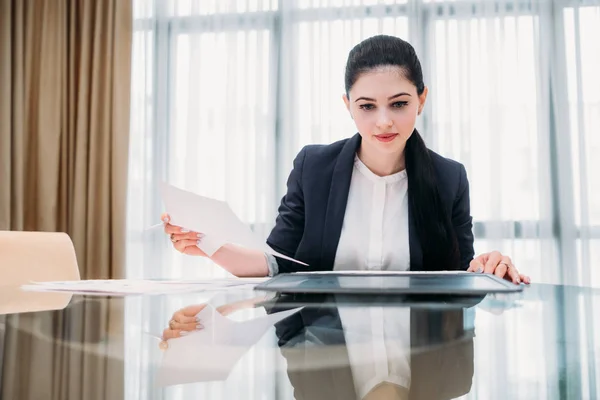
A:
{"points": [[225, 93], [582, 28]]}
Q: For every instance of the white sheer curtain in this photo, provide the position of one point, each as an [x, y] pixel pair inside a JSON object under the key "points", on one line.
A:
{"points": [[219, 144], [225, 93], [582, 55]]}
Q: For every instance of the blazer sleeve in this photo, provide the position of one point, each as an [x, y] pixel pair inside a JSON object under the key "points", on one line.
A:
{"points": [[289, 225], [462, 220]]}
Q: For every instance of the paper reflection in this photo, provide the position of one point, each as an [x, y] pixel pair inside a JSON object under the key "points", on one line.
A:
{"points": [[211, 353]]}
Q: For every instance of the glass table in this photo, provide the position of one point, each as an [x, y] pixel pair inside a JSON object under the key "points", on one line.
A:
{"points": [[543, 343]]}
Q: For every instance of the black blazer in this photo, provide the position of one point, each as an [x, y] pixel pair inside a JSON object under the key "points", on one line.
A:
{"points": [[311, 213]]}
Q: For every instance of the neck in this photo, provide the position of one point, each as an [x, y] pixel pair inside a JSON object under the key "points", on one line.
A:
{"points": [[381, 164]]}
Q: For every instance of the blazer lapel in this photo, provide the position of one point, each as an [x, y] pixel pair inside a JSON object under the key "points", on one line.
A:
{"points": [[416, 253], [338, 198]]}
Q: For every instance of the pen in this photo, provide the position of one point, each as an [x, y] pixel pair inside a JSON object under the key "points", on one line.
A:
{"points": [[153, 227]]}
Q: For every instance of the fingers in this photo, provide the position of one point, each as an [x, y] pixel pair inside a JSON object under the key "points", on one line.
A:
{"points": [[184, 321], [513, 275], [483, 258], [186, 317], [192, 311], [183, 240], [189, 247], [525, 279], [476, 265], [173, 333], [170, 228], [181, 318], [181, 245], [186, 327], [501, 270], [188, 236], [188, 314], [174, 229], [507, 270], [494, 259], [499, 265]]}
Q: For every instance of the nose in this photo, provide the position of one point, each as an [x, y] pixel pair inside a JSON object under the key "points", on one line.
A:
{"points": [[384, 120]]}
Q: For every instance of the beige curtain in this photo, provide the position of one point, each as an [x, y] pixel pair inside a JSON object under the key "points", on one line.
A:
{"points": [[64, 122]]}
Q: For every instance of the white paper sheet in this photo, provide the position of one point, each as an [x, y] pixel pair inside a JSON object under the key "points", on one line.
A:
{"points": [[147, 287], [211, 353], [213, 218]]}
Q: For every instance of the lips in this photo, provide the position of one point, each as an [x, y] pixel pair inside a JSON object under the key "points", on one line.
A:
{"points": [[386, 137]]}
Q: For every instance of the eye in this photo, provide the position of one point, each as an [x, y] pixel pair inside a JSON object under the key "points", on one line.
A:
{"points": [[366, 107], [399, 104]]}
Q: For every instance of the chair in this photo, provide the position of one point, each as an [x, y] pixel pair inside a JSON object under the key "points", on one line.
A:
{"points": [[34, 256]]}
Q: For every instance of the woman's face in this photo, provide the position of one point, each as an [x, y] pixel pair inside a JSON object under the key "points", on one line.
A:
{"points": [[384, 105]]}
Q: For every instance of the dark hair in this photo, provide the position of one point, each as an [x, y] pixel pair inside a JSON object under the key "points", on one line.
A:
{"points": [[432, 222]]}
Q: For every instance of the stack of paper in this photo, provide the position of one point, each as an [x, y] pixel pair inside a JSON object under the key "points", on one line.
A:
{"points": [[145, 286]]}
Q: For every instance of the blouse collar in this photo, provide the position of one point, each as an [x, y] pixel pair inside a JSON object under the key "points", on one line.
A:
{"points": [[370, 175]]}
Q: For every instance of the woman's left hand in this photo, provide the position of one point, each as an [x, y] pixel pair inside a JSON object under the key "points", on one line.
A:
{"points": [[498, 264]]}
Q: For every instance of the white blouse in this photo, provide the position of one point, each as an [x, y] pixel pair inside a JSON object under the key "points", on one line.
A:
{"points": [[375, 229], [374, 237]]}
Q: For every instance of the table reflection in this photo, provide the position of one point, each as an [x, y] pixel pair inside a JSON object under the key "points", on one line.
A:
{"points": [[335, 350], [74, 350], [542, 343], [379, 351]]}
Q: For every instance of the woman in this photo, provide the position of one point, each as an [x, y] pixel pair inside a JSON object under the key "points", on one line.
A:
{"points": [[377, 201]]}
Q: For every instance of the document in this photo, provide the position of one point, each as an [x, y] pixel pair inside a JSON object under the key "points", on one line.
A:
{"points": [[143, 286], [214, 218], [211, 353]]}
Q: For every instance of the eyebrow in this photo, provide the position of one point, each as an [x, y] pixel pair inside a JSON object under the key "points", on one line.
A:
{"points": [[389, 98]]}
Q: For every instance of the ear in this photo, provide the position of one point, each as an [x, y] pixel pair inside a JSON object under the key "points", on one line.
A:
{"points": [[347, 103], [422, 100]]}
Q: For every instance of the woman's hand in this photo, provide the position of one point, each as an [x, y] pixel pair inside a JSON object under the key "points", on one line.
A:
{"points": [[237, 260], [498, 264], [184, 241]]}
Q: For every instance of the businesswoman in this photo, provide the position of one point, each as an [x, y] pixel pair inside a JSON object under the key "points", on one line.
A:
{"points": [[379, 200]]}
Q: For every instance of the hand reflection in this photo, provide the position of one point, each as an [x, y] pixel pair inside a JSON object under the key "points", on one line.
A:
{"points": [[210, 354], [497, 304], [185, 320]]}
